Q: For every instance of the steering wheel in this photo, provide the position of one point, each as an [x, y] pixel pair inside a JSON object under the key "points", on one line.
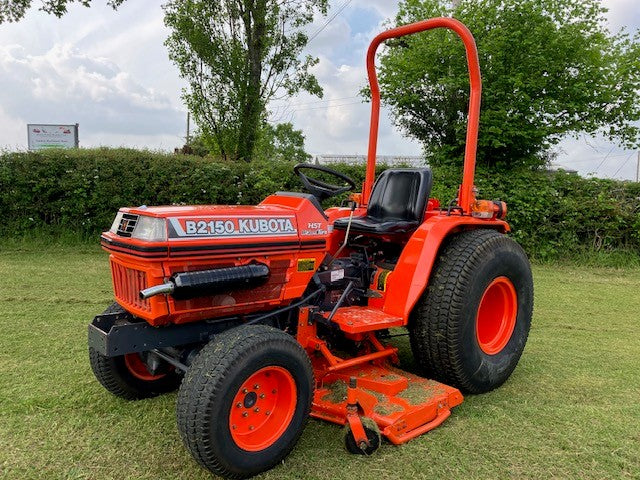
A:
{"points": [[318, 188]]}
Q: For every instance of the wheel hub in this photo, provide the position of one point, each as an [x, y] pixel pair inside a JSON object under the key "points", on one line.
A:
{"points": [[250, 399], [262, 408], [139, 369], [496, 318]]}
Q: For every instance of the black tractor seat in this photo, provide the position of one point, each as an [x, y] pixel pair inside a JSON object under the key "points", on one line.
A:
{"points": [[397, 204]]}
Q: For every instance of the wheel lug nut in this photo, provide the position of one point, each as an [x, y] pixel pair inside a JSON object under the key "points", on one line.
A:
{"points": [[245, 414], [256, 386], [238, 405], [262, 395], [274, 391], [250, 427], [244, 390], [256, 409], [233, 427], [267, 412]]}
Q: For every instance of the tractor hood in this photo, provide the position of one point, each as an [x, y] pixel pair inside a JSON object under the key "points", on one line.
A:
{"points": [[280, 221], [221, 222]]}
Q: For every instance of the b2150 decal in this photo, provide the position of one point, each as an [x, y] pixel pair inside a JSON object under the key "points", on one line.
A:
{"points": [[237, 227]]}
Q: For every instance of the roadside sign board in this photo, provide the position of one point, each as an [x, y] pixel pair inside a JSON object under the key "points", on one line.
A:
{"points": [[41, 136]]}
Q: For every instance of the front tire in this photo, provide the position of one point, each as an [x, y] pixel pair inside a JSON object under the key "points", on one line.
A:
{"points": [[471, 325], [245, 400], [127, 376]]}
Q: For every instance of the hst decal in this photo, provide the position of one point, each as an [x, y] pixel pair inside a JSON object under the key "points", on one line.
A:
{"points": [[212, 227]]}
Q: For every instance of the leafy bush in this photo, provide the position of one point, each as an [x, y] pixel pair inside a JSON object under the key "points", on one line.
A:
{"points": [[553, 215]]}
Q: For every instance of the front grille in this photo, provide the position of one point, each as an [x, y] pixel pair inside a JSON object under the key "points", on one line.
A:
{"points": [[127, 224], [127, 283]]}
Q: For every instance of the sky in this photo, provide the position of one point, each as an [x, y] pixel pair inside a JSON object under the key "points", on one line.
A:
{"points": [[109, 72]]}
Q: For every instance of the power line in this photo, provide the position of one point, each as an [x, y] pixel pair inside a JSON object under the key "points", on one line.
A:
{"points": [[603, 160], [325, 100], [625, 162], [319, 31], [331, 19], [323, 107], [587, 160]]}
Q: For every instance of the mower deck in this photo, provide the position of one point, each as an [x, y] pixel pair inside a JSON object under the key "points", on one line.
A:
{"points": [[403, 405]]}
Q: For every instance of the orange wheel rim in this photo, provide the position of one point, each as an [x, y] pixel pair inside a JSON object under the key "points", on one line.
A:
{"points": [[262, 408], [496, 317], [139, 369]]}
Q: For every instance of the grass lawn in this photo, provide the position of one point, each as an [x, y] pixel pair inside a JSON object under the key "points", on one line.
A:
{"points": [[571, 409]]}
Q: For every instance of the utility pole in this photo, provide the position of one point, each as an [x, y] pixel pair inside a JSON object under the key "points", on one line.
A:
{"points": [[188, 122], [638, 168]]}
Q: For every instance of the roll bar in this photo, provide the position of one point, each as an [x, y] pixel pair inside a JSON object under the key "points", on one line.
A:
{"points": [[466, 194]]}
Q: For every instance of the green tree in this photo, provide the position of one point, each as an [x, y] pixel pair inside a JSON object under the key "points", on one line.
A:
{"points": [[550, 68], [237, 55], [281, 142], [14, 10]]}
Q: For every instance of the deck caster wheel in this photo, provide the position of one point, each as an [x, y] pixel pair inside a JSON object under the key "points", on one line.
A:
{"points": [[373, 435]]}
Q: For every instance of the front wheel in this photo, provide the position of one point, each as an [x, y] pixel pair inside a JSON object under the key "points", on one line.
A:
{"points": [[245, 400], [128, 376], [471, 325]]}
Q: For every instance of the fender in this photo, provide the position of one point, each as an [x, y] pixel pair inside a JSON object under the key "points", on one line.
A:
{"points": [[411, 274]]}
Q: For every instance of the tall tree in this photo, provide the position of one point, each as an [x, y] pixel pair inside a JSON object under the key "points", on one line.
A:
{"points": [[550, 68], [237, 55]]}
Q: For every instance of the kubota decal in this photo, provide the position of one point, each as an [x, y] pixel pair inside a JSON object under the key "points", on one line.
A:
{"points": [[208, 227]]}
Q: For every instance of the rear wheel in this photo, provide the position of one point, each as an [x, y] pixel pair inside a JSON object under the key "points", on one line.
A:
{"points": [[471, 325], [245, 400]]}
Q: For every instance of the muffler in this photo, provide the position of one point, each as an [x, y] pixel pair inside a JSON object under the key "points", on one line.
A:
{"points": [[187, 285]]}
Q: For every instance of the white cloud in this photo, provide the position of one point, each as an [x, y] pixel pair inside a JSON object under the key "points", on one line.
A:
{"points": [[595, 156], [339, 124], [110, 72], [106, 70], [65, 85], [623, 13], [384, 8]]}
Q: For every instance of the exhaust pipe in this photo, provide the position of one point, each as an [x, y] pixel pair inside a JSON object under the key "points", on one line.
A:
{"points": [[166, 288], [187, 285]]}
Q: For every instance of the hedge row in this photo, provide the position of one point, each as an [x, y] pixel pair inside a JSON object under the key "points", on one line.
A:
{"points": [[552, 215]]}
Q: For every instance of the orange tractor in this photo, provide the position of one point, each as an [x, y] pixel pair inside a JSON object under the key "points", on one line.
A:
{"points": [[265, 315]]}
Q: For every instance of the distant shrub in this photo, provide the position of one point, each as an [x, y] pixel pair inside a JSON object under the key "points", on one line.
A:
{"points": [[553, 215]]}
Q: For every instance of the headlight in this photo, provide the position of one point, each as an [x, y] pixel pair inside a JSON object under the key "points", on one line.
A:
{"points": [[151, 229], [116, 223], [141, 227]]}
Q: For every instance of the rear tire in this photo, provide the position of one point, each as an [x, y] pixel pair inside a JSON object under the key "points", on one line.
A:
{"points": [[471, 325], [245, 400]]}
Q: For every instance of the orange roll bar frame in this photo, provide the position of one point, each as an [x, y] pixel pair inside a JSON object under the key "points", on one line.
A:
{"points": [[466, 195]]}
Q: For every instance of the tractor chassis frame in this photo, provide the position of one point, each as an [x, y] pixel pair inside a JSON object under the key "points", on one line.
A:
{"points": [[402, 405], [120, 333]]}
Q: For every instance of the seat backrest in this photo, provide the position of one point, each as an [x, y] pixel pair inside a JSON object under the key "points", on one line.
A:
{"points": [[400, 194]]}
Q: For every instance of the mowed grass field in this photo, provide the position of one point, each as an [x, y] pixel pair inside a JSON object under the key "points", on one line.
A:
{"points": [[571, 409]]}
